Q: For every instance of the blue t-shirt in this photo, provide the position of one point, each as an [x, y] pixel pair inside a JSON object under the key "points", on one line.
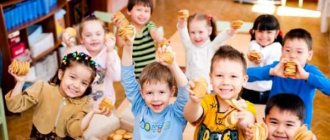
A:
{"points": [[305, 89], [148, 125]]}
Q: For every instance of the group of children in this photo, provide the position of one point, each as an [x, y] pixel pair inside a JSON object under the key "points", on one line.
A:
{"points": [[71, 100]]}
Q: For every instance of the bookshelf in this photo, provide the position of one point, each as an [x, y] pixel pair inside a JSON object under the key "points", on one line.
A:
{"points": [[48, 24]]}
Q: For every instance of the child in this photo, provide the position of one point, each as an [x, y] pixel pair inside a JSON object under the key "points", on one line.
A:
{"points": [[155, 118], [285, 114], [146, 36], [200, 39], [60, 105], [93, 41], [298, 48], [266, 41], [208, 113]]}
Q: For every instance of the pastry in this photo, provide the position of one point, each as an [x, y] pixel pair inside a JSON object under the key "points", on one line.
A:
{"points": [[106, 103], [290, 68], [183, 14], [260, 131], [200, 89], [254, 55], [71, 31], [235, 104], [303, 134], [236, 24], [167, 55], [126, 32], [19, 68], [120, 17]]}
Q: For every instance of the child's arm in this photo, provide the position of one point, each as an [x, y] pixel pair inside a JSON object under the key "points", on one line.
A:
{"points": [[96, 110], [183, 32], [193, 111], [157, 35], [113, 61], [20, 80]]}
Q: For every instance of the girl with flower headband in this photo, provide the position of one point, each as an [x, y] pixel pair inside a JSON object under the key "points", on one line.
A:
{"points": [[100, 46], [266, 43], [62, 109], [199, 37]]}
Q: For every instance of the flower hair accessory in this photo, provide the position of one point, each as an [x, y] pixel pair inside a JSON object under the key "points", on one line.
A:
{"points": [[208, 17], [81, 57]]}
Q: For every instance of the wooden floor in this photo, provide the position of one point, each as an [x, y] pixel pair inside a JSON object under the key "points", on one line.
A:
{"points": [[227, 10]]}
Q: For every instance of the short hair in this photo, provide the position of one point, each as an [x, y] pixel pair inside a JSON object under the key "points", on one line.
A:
{"points": [[156, 72], [287, 102], [147, 3], [230, 53], [299, 33]]}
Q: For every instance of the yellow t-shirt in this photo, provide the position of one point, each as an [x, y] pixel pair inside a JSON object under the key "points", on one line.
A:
{"points": [[211, 127]]}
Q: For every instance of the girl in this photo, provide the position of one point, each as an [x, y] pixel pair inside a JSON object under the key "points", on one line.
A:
{"points": [[92, 36], [60, 105], [200, 39], [266, 40], [146, 36]]}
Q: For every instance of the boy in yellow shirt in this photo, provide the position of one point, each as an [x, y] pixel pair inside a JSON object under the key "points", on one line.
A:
{"points": [[222, 115]]}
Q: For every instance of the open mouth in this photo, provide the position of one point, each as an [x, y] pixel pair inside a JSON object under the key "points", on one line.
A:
{"points": [[157, 106]]}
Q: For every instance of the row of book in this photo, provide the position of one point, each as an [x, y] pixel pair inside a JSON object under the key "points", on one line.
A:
{"points": [[26, 11]]}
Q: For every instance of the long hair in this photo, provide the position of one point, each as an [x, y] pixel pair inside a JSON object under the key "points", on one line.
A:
{"points": [[71, 60], [267, 22], [210, 21]]}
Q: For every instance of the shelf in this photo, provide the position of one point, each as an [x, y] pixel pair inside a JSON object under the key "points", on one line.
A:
{"points": [[11, 2], [45, 53], [51, 13]]}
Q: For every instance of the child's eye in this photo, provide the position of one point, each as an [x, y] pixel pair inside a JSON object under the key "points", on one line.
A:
{"points": [[234, 76], [72, 77], [273, 122], [161, 92], [84, 83], [289, 125], [149, 93]]}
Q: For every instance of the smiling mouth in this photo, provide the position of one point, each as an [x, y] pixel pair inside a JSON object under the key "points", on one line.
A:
{"points": [[157, 107]]}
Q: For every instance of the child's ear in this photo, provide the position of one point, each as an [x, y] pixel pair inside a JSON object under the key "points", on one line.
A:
{"points": [[209, 30], [310, 55], [264, 119], [60, 74], [173, 89], [128, 12], [245, 78]]}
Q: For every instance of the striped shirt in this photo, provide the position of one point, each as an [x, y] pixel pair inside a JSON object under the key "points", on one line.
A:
{"points": [[144, 50]]}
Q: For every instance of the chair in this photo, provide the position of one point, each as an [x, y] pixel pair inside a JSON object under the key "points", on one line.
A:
{"points": [[3, 122]]}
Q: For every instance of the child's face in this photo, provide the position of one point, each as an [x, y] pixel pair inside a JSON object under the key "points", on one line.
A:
{"points": [[157, 95], [265, 37], [75, 80], [93, 36], [199, 32], [140, 14], [297, 49], [227, 78], [282, 125]]}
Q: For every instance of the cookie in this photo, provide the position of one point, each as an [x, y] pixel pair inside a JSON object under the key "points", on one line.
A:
{"points": [[19, 68], [126, 32], [260, 131], [200, 89], [106, 103], [71, 31], [303, 134], [236, 24], [290, 68], [183, 14], [254, 55]]}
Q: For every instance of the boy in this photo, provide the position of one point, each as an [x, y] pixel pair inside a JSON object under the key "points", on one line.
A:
{"points": [[297, 48], [285, 114], [155, 118], [146, 35], [228, 75]]}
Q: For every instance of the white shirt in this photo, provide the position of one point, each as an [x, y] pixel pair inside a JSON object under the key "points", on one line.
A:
{"points": [[198, 58], [270, 54]]}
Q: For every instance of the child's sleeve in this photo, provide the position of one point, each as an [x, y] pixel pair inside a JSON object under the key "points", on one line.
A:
{"points": [[260, 73], [180, 102], [25, 100], [318, 80], [73, 125], [221, 38], [131, 87], [113, 68], [184, 36]]}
